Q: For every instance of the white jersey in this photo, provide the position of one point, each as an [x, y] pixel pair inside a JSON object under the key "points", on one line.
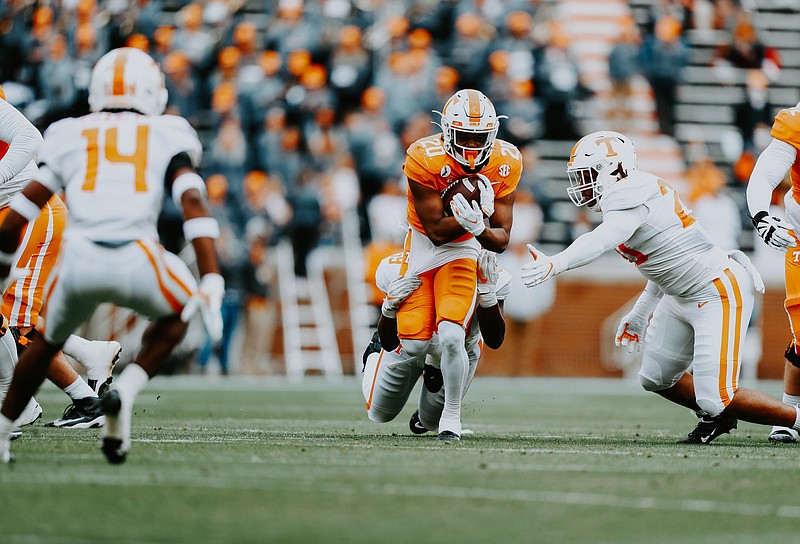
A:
{"points": [[19, 141], [670, 247], [389, 269], [112, 168]]}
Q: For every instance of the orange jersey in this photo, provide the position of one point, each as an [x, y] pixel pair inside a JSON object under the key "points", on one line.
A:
{"points": [[429, 164], [787, 129]]}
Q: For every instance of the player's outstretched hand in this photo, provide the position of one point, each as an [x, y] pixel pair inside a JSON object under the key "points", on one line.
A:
{"points": [[630, 332], [399, 290], [538, 271], [487, 195], [208, 301], [774, 231], [469, 217]]}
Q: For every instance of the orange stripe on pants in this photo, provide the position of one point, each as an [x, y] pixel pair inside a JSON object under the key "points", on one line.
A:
{"points": [[171, 299]]}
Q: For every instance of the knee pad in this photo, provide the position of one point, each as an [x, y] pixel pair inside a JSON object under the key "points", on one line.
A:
{"points": [[451, 336], [380, 417], [415, 348], [649, 385], [791, 354]]}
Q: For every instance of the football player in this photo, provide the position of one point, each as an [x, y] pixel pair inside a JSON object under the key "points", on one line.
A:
{"points": [[699, 296], [390, 373], [22, 300], [442, 250], [114, 165], [779, 157]]}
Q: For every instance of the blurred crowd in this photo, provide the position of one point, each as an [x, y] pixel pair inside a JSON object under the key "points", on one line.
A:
{"points": [[306, 107]]}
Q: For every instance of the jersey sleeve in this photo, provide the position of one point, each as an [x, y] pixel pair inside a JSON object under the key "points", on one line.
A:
{"points": [[787, 127], [417, 166], [504, 169], [56, 149], [180, 137], [19, 141], [503, 288], [387, 271], [628, 193]]}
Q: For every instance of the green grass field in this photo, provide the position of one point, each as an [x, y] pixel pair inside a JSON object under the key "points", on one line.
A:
{"points": [[232, 460]]}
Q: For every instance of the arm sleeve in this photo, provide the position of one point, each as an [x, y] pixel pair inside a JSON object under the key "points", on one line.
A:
{"points": [[617, 227], [23, 141], [769, 171]]}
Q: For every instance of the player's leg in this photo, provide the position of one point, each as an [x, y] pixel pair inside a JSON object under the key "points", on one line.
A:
{"points": [[98, 357], [388, 380], [791, 374], [454, 288], [85, 411]]}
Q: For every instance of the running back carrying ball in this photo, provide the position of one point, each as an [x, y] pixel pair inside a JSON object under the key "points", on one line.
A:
{"points": [[465, 186]]}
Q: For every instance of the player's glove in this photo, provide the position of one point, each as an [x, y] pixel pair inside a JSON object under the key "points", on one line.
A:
{"points": [[540, 270], [630, 332], [399, 290], [469, 217], [208, 301], [774, 231], [487, 195], [487, 279]]}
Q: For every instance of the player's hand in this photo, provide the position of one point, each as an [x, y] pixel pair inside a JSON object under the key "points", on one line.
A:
{"points": [[630, 332], [487, 195], [487, 278], [538, 271], [469, 217], [774, 231], [208, 301], [399, 290]]}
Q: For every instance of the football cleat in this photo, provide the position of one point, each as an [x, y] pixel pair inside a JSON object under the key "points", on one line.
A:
{"points": [[99, 359], [449, 436], [374, 346], [81, 414], [416, 425], [432, 378], [32, 412], [708, 429], [16, 432], [783, 435], [115, 443]]}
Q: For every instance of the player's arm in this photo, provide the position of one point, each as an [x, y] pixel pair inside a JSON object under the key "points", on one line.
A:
{"points": [[439, 228], [23, 141], [496, 236], [387, 332], [770, 169], [492, 324], [617, 227], [399, 290], [25, 207]]}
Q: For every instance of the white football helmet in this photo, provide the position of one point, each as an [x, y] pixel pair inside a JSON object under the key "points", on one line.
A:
{"points": [[469, 127], [597, 162], [127, 79]]}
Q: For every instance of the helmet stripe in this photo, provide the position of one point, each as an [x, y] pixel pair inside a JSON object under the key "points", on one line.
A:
{"points": [[2, 93], [474, 101], [118, 85]]}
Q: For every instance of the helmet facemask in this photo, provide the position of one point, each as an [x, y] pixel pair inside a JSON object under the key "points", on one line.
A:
{"points": [[469, 127]]}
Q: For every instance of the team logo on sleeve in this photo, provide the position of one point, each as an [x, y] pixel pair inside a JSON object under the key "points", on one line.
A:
{"points": [[446, 171], [504, 170]]}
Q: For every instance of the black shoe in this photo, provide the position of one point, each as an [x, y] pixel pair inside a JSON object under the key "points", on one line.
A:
{"points": [[432, 378], [708, 429], [113, 448], [374, 346], [100, 388], [449, 436], [416, 425], [81, 414]]}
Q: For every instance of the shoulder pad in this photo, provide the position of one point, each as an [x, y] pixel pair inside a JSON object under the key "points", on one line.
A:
{"points": [[633, 191], [787, 127]]}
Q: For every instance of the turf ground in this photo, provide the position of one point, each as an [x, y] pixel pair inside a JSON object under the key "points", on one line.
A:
{"points": [[561, 461]]}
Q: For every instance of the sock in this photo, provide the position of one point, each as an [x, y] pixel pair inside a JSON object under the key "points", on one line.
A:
{"points": [[792, 400], [132, 380], [79, 389], [796, 425]]}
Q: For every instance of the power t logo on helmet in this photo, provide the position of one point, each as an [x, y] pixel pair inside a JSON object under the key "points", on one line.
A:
{"points": [[597, 161], [469, 127]]}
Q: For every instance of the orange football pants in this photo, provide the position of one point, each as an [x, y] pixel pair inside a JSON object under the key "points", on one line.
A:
{"points": [[23, 299], [447, 293]]}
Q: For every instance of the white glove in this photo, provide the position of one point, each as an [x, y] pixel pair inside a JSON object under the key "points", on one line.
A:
{"points": [[540, 270], [208, 301], [630, 332], [469, 217], [487, 279], [399, 290], [774, 231], [487, 195]]}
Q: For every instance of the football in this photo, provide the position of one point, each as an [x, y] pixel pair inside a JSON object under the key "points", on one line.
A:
{"points": [[465, 186]]}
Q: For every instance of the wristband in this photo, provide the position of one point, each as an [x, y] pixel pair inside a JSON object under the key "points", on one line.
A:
{"points": [[487, 300], [388, 312], [200, 227], [184, 182], [758, 217], [23, 206]]}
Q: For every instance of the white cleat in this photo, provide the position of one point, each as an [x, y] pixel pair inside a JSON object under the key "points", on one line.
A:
{"points": [[99, 359], [783, 435], [29, 416], [449, 429]]}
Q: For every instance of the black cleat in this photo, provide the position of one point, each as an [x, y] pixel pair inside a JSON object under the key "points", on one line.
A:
{"points": [[416, 425], [112, 449], [110, 403], [432, 378], [374, 346], [81, 414], [449, 436], [708, 429]]}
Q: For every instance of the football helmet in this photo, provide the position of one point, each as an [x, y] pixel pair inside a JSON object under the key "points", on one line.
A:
{"points": [[469, 127], [128, 79], [597, 162]]}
